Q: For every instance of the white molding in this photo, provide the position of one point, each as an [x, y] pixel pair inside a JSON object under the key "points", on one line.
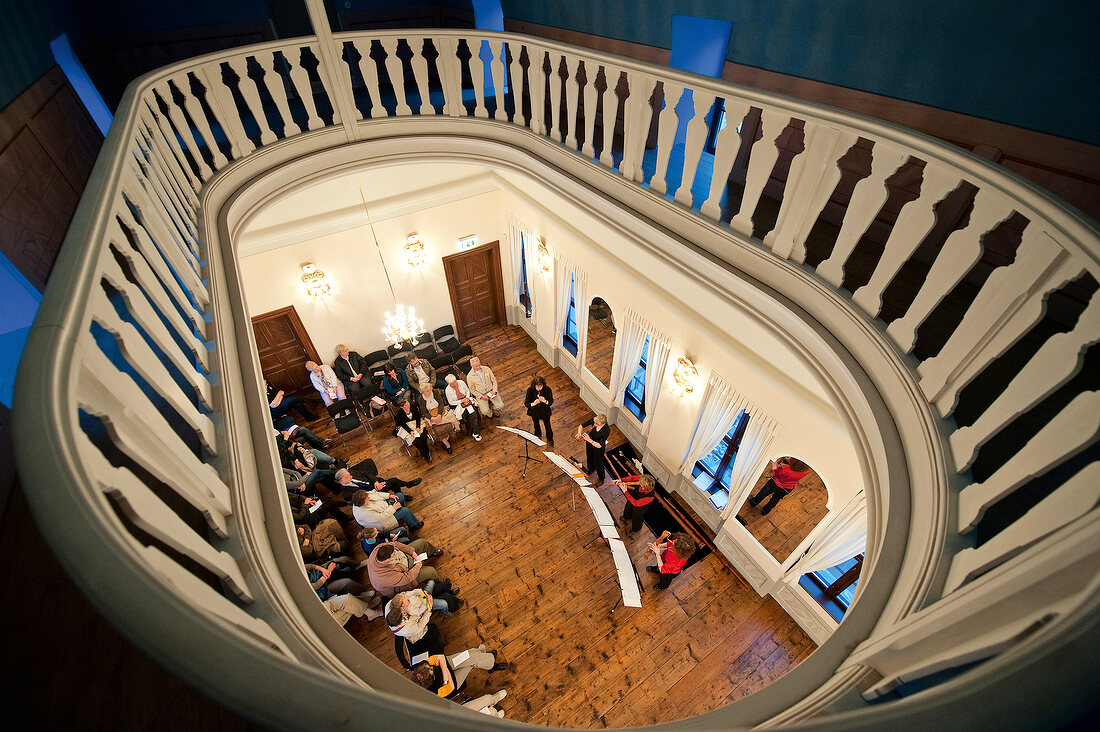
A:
{"points": [[805, 610]]}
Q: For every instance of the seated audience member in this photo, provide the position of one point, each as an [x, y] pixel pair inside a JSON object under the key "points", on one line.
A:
{"points": [[295, 457], [370, 537], [409, 424], [639, 494], [345, 607], [671, 557], [539, 400], [396, 487], [326, 541], [442, 418], [302, 509], [394, 383], [483, 385], [445, 675], [333, 579], [351, 370], [393, 567], [281, 404], [409, 613], [325, 381], [372, 508], [420, 374], [459, 397], [786, 472], [297, 433]]}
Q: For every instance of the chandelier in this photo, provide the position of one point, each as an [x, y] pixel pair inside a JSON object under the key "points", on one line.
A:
{"points": [[403, 325]]}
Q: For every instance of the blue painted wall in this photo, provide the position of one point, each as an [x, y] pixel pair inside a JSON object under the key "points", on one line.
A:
{"points": [[1030, 64]]}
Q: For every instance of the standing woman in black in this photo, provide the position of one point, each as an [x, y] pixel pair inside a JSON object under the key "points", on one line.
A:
{"points": [[596, 441], [538, 401]]}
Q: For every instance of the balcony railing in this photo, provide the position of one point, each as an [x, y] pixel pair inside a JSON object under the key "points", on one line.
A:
{"points": [[140, 381]]}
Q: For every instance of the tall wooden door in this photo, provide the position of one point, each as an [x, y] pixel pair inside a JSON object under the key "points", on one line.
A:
{"points": [[476, 286], [284, 348]]}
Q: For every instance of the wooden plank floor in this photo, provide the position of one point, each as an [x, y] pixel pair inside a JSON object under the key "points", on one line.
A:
{"points": [[786, 525], [540, 596]]}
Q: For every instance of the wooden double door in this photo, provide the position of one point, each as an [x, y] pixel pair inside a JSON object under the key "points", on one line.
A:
{"points": [[284, 347], [476, 286]]}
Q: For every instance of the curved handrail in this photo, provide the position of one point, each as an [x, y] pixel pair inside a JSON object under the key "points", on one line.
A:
{"points": [[154, 409]]}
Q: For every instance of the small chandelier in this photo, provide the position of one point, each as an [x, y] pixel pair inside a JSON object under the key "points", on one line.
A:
{"points": [[685, 376], [414, 251], [314, 281], [544, 257], [403, 326]]}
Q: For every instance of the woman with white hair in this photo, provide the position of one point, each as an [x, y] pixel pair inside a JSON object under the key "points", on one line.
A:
{"points": [[459, 397]]}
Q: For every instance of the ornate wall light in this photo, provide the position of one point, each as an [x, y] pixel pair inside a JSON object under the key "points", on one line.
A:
{"points": [[544, 257], [314, 281], [685, 376], [414, 251]]}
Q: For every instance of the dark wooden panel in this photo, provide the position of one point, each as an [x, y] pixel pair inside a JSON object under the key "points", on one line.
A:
{"points": [[476, 287], [284, 347]]}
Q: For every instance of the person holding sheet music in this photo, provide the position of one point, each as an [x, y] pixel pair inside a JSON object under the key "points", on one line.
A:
{"points": [[443, 418], [325, 382], [459, 397], [596, 441], [672, 555], [445, 675], [394, 567], [639, 494], [409, 424], [486, 391], [539, 400]]}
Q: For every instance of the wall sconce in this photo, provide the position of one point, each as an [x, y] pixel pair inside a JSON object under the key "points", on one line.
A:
{"points": [[414, 251], [685, 376], [544, 257], [314, 281]]}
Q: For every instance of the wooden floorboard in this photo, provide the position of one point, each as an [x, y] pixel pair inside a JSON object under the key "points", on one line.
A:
{"points": [[540, 592]]}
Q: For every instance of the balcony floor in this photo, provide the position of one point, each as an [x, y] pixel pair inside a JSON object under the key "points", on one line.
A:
{"points": [[540, 597]]}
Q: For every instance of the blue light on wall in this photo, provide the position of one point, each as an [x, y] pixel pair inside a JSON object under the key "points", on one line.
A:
{"points": [[700, 45], [19, 302], [81, 82]]}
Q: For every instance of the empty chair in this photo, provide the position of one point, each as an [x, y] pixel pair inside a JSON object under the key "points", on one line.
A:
{"points": [[345, 417], [427, 352], [397, 348], [461, 354], [445, 337], [422, 338], [401, 359], [449, 345]]}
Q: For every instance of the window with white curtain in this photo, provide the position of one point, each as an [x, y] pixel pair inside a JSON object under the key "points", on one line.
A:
{"points": [[569, 334], [524, 287], [712, 474], [634, 396]]}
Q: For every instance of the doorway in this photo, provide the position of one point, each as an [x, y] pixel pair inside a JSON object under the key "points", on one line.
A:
{"points": [[476, 287], [284, 348]]}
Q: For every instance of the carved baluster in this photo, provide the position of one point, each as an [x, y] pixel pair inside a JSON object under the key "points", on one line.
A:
{"points": [[164, 187], [591, 71], [194, 109], [369, 69], [169, 161], [537, 78], [697, 132], [396, 73], [761, 163], [1041, 266], [667, 123], [913, 223], [610, 112], [1072, 500], [1055, 363], [183, 129], [251, 95], [477, 77], [867, 200], [725, 153], [163, 134], [273, 82], [224, 108], [555, 95], [420, 71], [812, 179], [496, 69], [153, 217], [960, 252], [1074, 428], [168, 214], [299, 78], [572, 93], [637, 115]]}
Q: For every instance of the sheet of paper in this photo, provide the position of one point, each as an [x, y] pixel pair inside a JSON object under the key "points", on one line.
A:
{"points": [[599, 508], [609, 532], [568, 468], [538, 442], [315, 507], [421, 557], [459, 659], [627, 581]]}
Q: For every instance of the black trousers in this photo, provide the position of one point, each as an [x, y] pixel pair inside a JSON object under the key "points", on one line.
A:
{"points": [[538, 431], [634, 514], [770, 488], [594, 460]]}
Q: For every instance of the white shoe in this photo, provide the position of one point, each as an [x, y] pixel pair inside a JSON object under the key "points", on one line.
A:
{"points": [[477, 438]]}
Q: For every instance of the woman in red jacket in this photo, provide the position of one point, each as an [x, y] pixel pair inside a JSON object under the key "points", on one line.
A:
{"points": [[639, 494], [671, 558], [786, 472]]}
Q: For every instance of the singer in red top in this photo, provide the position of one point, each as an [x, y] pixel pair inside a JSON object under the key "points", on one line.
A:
{"points": [[639, 494], [671, 558], [786, 472]]}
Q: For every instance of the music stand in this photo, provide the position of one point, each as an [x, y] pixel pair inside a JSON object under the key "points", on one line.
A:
{"points": [[528, 438]]}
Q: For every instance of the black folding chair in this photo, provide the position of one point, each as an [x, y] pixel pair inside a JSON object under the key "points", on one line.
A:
{"points": [[345, 417], [445, 338]]}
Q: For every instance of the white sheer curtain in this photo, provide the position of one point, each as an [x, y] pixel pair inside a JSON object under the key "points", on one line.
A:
{"points": [[581, 306], [631, 341], [660, 345], [748, 464], [840, 536], [719, 409], [515, 236], [563, 279]]}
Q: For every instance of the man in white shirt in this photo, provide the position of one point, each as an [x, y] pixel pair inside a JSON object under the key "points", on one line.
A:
{"points": [[325, 381], [483, 385]]}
